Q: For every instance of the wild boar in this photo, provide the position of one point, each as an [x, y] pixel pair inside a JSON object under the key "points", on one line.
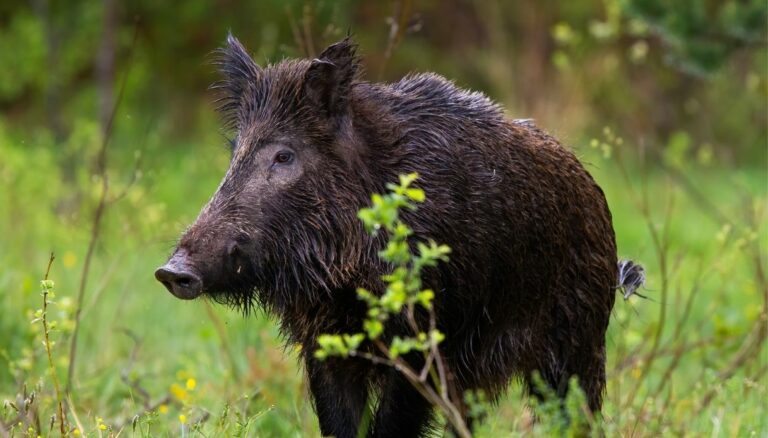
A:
{"points": [[533, 271]]}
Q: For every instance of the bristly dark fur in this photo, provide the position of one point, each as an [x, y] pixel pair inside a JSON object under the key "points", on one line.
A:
{"points": [[531, 280], [329, 77], [240, 72]]}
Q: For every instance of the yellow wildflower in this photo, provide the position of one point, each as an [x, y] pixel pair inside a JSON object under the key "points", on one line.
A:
{"points": [[191, 384], [179, 392], [69, 259]]}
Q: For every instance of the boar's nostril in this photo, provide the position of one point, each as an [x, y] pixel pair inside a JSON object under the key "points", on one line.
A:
{"points": [[181, 283]]}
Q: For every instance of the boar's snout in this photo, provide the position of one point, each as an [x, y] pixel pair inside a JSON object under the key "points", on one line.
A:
{"points": [[179, 277]]}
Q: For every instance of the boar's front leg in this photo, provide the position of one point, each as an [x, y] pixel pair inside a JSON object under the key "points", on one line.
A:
{"points": [[402, 412], [340, 391]]}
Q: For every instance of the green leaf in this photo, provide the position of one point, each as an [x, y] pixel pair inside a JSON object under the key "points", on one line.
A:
{"points": [[333, 345], [406, 180], [368, 217], [425, 298], [436, 336], [397, 252], [368, 297], [373, 327], [400, 346], [401, 231], [353, 341], [394, 297], [415, 195]]}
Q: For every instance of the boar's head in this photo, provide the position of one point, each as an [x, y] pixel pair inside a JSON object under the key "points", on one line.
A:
{"points": [[282, 226]]}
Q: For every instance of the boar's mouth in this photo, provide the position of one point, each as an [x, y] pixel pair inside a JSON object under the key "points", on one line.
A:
{"points": [[232, 283]]}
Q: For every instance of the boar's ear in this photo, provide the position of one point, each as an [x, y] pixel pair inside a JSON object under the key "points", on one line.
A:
{"points": [[237, 69], [329, 78]]}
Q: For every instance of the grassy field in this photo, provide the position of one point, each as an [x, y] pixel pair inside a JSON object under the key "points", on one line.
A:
{"points": [[689, 360]]}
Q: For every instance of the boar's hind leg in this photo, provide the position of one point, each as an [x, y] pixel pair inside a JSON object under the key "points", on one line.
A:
{"points": [[340, 392], [591, 377], [402, 411]]}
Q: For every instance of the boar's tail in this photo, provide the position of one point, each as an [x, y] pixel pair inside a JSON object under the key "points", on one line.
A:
{"points": [[631, 278]]}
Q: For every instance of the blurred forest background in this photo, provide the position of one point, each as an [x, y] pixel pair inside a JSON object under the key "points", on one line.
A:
{"points": [[109, 145]]}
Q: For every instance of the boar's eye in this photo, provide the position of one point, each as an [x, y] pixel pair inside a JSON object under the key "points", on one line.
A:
{"points": [[283, 157]]}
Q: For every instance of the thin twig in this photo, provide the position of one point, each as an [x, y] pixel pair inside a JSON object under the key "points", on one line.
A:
{"points": [[663, 382], [297, 37], [755, 340], [75, 416], [661, 245], [132, 181], [632, 360], [125, 373], [22, 406], [46, 333], [98, 214], [168, 398], [453, 415], [438, 357], [398, 24], [749, 349], [376, 360], [664, 408], [225, 347], [306, 25], [699, 199], [427, 366]]}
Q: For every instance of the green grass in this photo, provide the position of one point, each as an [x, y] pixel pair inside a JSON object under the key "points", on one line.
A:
{"points": [[230, 375]]}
